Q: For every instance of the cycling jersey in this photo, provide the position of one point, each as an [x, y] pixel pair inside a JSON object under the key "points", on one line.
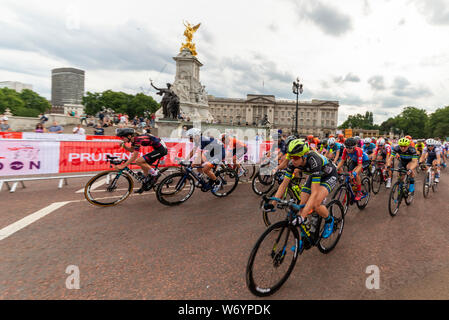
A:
{"points": [[405, 156], [369, 148], [384, 151], [319, 169], [358, 156], [146, 140], [431, 154], [335, 148], [313, 143], [211, 148], [235, 144]]}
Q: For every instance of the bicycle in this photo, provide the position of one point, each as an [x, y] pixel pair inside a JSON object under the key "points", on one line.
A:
{"points": [[293, 191], [275, 250], [429, 181], [173, 185], [249, 169], [347, 189], [379, 176], [399, 191], [117, 184]]}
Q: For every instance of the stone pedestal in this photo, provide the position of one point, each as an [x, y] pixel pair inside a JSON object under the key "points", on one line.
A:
{"points": [[187, 86]]}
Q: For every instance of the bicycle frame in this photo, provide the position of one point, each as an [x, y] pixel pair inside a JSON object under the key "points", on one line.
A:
{"points": [[130, 171]]}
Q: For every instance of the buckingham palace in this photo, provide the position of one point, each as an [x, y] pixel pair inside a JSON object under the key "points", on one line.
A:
{"points": [[317, 117]]}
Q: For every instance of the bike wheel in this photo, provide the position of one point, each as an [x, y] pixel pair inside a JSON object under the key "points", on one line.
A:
{"points": [[410, 196], [426, 187], [376, 181], [336, 209], [270, 218], [108, 188], [262, 184], [229, 180], [175, 189], [362, 203], [165, 172], [249, 170], [342, 195], [272, 259], [394, 200]]}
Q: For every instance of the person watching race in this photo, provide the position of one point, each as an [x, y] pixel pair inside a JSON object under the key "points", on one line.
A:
{"points": [[432, 157], [408, 159], [320, 183], [128, 135], [209, 152], [359, 162]]}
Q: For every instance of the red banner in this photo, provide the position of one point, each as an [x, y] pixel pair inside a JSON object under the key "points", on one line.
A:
{"points": [[10, 135], [79, 156]]}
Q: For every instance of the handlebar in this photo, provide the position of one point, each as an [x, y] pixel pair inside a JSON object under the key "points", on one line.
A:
{"points": [[281, 204]]}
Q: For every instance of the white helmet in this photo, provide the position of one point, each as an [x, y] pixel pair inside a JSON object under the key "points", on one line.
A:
{"points": [[381, 142], [193, 132], [430, 142], [367, 140], [331, 141]]}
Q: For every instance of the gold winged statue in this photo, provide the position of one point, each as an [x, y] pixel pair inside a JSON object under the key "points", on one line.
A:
{"points": [[188, 33]]}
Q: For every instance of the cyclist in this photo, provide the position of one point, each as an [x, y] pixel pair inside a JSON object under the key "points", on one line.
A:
{"points": [[341, 139], [322, 179], [128, 135], [420, 146], [210, 153], [412, 144], [408, 159], [313, 142], [334, 150], [239, 149], [368, 147], [381, 153], [432, 155], [359, 162], [322, 146]]}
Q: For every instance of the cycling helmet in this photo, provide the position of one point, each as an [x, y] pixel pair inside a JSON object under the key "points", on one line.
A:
{"points": [[193, 132], [430, 142], [290, 139], [331, 141], [350, 142], [309, 137], [367, 140], [404, 142], [124, 132], [381, 142], [298, 147], [324, 141], [340, 135]]}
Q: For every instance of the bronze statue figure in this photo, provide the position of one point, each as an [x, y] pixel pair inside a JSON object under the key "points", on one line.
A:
{"points": [[169, 102]]}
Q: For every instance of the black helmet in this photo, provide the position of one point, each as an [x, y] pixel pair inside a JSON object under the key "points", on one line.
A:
{"points": [[324, 141], [350, 142], [124, 132]]}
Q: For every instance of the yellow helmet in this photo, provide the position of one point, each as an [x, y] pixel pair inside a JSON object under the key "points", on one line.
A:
{"points": [[404, 142]]}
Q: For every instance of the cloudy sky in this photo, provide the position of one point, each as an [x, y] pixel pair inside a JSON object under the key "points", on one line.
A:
{"points": [[378, 55]]}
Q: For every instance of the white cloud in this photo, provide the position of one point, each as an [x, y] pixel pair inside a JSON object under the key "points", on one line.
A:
{"points": [[242, 45]]}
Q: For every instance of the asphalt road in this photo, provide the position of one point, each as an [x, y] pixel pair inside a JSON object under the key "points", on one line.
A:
{"points": [[142, 249]]}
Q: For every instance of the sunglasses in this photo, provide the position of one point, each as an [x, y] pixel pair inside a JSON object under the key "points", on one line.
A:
{"points": [[349, 148], [295, 157]]}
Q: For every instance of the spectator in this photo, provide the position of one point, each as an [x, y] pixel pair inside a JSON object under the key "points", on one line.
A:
{"points": [[142, 123], [79, 130], [98, 130], [55, 128], [43, 118], [40, 128], [123, 120], [4, 126], [183, 132], [83, 117], [101, 116], [152, 119]]}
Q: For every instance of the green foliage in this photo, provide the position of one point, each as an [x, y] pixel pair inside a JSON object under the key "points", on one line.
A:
{"points": [[120, 102], [25, 104], [360, 121], [438, 124], [411, 121]]}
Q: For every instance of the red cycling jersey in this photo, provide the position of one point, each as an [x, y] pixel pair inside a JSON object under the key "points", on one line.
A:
{"points": [[386, 149], [358, 155]]}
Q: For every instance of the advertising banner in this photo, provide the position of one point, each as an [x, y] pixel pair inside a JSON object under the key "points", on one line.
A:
{"points": [[28, 157], [10, 135], [91, 156]]}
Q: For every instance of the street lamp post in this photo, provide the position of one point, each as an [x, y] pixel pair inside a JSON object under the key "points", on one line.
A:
{"points": [[297, 89]]}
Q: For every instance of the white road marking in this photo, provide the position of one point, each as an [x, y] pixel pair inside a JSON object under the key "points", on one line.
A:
{"points": [[22, 223]]}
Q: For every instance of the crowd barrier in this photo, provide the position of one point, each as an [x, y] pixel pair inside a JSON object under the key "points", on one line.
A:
{"points": [[52, 154]]}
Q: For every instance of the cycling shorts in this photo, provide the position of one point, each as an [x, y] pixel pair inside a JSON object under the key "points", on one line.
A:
{"points": [[154, 155], [328, 181]]}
